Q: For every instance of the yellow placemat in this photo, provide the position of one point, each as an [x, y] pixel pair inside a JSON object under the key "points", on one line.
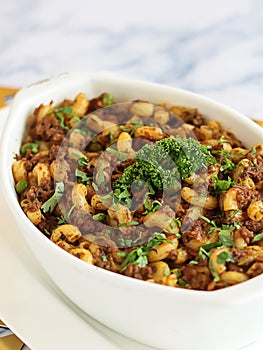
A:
{"points": [[6, 92], [10, 342]]}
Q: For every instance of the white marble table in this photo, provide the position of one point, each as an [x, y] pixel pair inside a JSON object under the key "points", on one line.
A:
{"points": [[210, 47]]}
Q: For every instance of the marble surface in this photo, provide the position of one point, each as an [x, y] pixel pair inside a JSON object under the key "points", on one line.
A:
{"points": [[210, 47]]}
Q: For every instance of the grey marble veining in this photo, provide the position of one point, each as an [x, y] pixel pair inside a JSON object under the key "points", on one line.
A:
{"points": [[218, 53]]}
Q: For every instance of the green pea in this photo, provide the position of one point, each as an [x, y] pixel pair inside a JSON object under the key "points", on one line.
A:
{"points": [[30, 145], [21, 186]]}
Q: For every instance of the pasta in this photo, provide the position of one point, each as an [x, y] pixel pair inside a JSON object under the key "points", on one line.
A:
{"points": [[153, 193]]}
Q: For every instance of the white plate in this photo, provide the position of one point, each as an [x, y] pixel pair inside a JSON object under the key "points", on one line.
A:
{"points": [[32, 306]]}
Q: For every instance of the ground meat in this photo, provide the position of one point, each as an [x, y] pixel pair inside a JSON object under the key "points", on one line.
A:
{"points": [[256, 173], [245, 196], [192, 117], [42, 193], [96, 103], [29, 165], [197, 276], [246, 234], [40, 158], [53, 152], [195, 232], [237, 254], [255, 226], [141, 273], [49, 130], [234, 267]]}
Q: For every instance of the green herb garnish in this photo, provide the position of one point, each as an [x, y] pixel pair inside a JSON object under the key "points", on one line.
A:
{"points": [[99, 217], [182, 283], [138, 256], [151, 207], [83, 177], [66, 110], [222, 258], [59, 114], [82, 159], [80, 131], [222, 186], [33, 146], [225, 257], [162, 165], [233, 214], [51, 203], [131, 223], [225, 237], [120, 155], [108, 99], [257, 237], [65, 218], [104, 258]]}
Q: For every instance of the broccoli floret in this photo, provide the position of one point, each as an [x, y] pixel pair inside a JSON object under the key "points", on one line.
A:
{"points": [[188, 154], [162, 165]]}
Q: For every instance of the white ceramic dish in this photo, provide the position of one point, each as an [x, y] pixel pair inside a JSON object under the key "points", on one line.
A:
{"points": [[164, 317]]}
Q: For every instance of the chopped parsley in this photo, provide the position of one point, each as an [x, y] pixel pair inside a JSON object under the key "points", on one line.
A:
{"points": [[193, 262], [182, 283], [123, 197], [65, 218], [205, 250], [223, 139], [225, 257], [222, 186], [112, 138], [33, 146], [120, 155], [225, 241], [99, 217], [222, 258], [47, 232], [104, 258], [51, 203], [257, 237], [127, 243], [80, 131], [138, 256], [61, 119], [59, 114], [233, 214], [151, 207], [66, 110], [131, 223], [108, 99], [211, 222], [82, 159], [83, 177], [225, 235]]}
